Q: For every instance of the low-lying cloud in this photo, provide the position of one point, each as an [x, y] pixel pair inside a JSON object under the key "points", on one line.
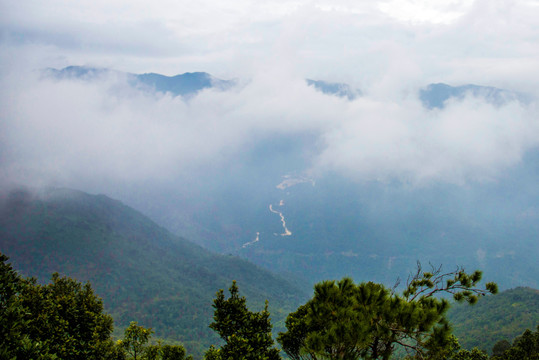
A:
{"points": [[72, 131]]}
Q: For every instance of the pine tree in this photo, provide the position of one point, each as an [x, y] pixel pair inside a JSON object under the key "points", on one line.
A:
{"points": [[247, 334], [347, 321]]}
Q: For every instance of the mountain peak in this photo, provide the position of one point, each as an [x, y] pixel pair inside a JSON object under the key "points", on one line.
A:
{"points": [[185, 84], [435, 96]]}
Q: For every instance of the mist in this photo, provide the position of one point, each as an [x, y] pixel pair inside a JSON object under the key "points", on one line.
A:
{"points": [[106, 131]]}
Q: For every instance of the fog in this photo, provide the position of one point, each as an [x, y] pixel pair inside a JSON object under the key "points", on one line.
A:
{"points": [[105, 132], [73, 131]]}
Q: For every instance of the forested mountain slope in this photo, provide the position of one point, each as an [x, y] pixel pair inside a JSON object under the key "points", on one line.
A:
{"points": [[494, 318], [142, 271]]}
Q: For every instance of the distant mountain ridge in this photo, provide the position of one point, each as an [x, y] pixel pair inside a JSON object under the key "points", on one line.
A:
{"points": [[185, 84], [188, 83], [142, 271], [433, 96], [337, 89], [436, 95]]}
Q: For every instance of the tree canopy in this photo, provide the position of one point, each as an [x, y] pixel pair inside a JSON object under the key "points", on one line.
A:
{"points": [[524, 347], [348, 321], [63, 319], [247, 334]]}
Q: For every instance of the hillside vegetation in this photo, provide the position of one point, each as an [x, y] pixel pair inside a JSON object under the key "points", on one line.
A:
{"points": [[495, 318], [141, 270]]}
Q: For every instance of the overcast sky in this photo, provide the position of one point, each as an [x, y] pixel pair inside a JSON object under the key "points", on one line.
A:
{"points": [[66, 131]]}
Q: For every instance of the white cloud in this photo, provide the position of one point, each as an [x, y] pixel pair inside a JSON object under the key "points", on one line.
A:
{"points": [[469, 140], [339, 38], [105, 131], [420, 11], [389, 49]]}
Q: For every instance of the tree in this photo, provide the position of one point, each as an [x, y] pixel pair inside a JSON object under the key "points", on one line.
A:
{"points": [[348, 321], [135, 339], [136, 345], [500, 347], [475, 354], [173, 352], [247, 334], [524, 347], [15, 341], [69, 318], [62, 319]]}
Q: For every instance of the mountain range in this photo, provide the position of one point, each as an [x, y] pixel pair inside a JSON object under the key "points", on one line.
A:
{"points": [[184, 84], [187, 84]]}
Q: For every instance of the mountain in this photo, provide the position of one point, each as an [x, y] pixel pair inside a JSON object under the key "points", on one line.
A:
{"points": [[436, 95], [142, 271], [337, 89], [80, 72], [433, 96], [494, 318], [179, 85], [185, 84]]}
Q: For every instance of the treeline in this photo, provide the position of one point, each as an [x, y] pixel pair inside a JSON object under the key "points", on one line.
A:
{"points": [[343, 320], [64, 320]]}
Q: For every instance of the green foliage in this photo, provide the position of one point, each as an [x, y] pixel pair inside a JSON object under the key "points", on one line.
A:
{"points": [[524, 347], [63, 319], [499, 348], [474, 354], [348, 321], [247, 334], [15, 341], [136, 345], [173, 352], [135, 339], [494, 318]]}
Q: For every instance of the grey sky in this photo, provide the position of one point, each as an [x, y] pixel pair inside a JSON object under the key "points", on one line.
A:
{"points": [[444, 39], [67, 131]]}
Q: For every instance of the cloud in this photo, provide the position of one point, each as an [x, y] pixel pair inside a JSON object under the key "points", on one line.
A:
{"points": [[105, 131], [469, 140], [67, 132], [341, 39], [421, 11]]}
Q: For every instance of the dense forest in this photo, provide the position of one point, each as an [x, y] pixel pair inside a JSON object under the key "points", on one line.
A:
{"points": [[65, 319], [501, 317]]}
